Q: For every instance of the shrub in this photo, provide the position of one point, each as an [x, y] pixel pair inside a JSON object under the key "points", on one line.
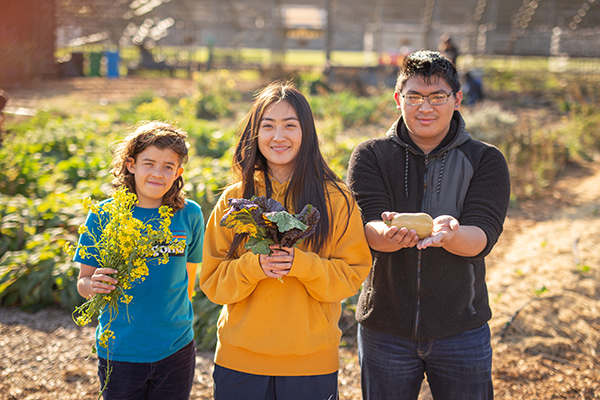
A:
{"points": [[158, 109], [488, 122], [209, 138], [351, 109], [206, 314], [34, 271], [38, 157], [217, 98]]}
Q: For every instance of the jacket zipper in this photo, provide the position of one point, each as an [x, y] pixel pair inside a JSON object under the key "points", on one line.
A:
{"points": [[417, 315]]}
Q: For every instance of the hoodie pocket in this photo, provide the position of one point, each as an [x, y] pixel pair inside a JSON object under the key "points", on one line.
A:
{"points": [[281, 321], [369, 291]]}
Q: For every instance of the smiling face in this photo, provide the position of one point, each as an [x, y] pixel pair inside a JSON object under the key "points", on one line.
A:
{"points": [[428, 125], [154, 170], [279, 139]]}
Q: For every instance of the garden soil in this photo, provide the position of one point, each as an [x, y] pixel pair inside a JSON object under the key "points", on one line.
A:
{"points": [[543, 279]]}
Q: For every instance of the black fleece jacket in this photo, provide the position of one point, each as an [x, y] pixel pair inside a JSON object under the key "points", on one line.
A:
{"points": [[431, 293]]}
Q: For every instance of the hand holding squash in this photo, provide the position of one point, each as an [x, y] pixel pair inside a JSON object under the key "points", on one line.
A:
{"points": [[444, 229]]}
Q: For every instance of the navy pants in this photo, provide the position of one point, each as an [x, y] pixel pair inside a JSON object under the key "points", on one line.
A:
{"points": [[458, 367], [168, 379], [234, 385]]}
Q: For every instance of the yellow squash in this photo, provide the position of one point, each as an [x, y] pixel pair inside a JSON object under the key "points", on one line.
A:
{"points": [[422, 223]]}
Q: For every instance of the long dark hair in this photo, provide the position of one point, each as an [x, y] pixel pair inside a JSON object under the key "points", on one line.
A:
{"points": [[146, 134], [308, 181]]}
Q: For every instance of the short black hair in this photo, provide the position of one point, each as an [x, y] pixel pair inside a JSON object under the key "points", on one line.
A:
{"points": [[426, 64]]}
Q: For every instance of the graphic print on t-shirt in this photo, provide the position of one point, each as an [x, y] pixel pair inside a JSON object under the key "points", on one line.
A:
{"points": [[162, 248]]}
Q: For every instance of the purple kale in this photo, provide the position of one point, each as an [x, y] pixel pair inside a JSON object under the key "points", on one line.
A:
{"points": [[310, 217], [268, 205], [266, 222]]}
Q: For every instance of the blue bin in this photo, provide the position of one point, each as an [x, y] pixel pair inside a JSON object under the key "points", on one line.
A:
{"points": [[112, 64]]}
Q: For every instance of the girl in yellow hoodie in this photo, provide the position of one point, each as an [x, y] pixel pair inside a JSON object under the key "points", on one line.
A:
{"points": [[279, 338]]}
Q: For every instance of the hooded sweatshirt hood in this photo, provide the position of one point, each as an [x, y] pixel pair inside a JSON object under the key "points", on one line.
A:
{"points": [[456, 136]]}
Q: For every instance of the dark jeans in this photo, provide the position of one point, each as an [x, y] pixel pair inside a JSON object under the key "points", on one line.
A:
{"points": [[457, 367], [168, 379], [234, 385]]}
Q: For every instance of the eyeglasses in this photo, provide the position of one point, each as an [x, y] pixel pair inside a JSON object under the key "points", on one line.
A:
{"points": [[436, 99]]}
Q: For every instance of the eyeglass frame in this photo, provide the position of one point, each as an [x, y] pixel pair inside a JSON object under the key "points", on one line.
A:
{"points": [[427, 97]]}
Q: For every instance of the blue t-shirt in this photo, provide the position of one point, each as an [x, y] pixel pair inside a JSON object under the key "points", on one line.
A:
{"points": [[158, 321]]}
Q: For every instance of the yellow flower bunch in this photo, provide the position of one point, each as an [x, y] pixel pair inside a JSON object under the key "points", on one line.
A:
{"points": [[105, 336], [125, 244]]}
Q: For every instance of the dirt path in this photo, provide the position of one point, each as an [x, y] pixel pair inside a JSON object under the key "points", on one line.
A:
{"points": [[544, 285], [77, 92], [543, 279]]}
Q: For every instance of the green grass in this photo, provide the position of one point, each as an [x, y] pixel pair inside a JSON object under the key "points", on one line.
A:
{"points": [[302, 58], [308, 58]]}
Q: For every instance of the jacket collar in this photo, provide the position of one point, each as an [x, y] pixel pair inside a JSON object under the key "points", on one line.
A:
{"points": [[457, 135]]}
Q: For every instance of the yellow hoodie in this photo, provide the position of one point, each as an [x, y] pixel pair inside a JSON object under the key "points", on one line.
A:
{"points": [[284, 329]]}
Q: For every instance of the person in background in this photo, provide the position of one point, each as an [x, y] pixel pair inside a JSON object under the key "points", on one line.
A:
{"points": [[280, 339], [448, 48], [473, 90], [424, 307], [153, 355]]}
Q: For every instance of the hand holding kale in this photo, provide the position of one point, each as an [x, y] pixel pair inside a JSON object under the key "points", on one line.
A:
{"points": [[266, 222]]}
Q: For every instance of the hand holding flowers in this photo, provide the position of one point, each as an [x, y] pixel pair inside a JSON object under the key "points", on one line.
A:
{"points": [[103, 281]]}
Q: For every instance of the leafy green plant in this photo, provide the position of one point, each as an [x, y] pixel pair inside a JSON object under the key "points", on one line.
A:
{"points": [[217, 99], [206, 315], [21, 218], [158, 109], [37, 159], [266, 222], [205, 179], [352, 109], [40, 275], [491, 124], [209, 139], [582, 269], [33, 270], [313, 83], [143, 97], [540, 291]]}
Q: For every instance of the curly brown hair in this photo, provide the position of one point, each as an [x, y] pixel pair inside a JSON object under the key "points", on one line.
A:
{"points": [[144, 135]]}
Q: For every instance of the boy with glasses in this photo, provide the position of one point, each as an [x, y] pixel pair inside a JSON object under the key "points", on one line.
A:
{"points": [[424, 307]]}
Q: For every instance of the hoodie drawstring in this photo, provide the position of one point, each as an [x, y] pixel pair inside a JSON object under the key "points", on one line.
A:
{"points": [[406, 173], [439, 185]]}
